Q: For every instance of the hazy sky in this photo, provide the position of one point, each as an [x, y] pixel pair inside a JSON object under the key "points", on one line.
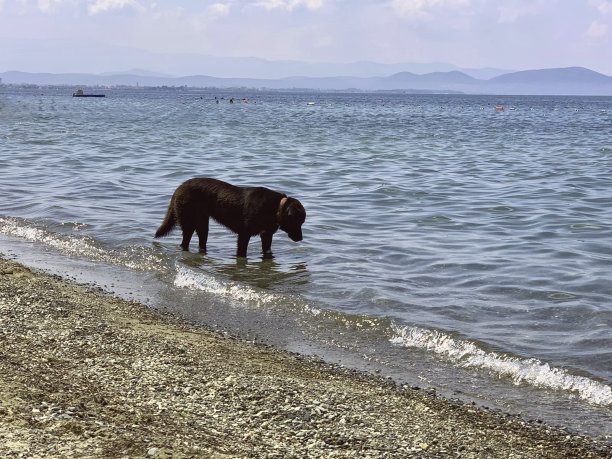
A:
{"points": [[511, 34]]}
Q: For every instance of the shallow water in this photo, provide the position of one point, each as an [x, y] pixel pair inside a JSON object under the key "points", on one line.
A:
{"points": [[439, 229]]}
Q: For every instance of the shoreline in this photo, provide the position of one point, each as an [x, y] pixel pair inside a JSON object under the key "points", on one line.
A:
{"points": [[86, 374]]}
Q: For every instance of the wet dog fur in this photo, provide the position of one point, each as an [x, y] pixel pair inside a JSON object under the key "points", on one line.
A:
{"points": [[247, 211]]}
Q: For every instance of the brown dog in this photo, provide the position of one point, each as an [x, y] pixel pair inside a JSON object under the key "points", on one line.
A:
{"points": [[247, 211]]}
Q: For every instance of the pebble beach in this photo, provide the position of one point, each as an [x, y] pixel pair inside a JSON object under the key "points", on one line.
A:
{"points": [[84, 374]]}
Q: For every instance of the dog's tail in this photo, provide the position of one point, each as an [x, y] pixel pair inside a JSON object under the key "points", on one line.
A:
{"points": [[169, 222]]}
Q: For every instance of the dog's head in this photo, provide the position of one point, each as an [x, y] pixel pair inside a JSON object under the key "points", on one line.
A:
{"points": [[292, 216]]}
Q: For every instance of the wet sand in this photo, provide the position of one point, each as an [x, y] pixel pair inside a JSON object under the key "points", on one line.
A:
{"points": [[83, 374]]}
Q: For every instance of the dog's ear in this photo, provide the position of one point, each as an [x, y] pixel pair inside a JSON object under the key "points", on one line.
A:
{"points": [[296, 210]]}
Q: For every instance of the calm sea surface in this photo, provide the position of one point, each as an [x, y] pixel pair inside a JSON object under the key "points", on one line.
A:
{"points": [[446, 242]]}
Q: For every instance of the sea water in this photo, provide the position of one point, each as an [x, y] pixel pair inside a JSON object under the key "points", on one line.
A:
{"points": [[448, 243]]}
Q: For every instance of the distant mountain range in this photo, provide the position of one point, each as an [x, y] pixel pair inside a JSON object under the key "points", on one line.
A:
{"points": [[561, 81], [82, 56]]}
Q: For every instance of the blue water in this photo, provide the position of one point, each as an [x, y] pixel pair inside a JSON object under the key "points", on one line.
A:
{"points": [[437, 225]]}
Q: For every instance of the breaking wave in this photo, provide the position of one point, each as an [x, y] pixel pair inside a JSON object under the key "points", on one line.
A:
{"points": [[134, 257], [231, 290], [237, 292], [530, 371]]}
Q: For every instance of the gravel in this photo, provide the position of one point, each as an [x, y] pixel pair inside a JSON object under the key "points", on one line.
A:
{"points": [[83, 374]]}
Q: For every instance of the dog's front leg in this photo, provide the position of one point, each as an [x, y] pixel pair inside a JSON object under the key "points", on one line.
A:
{"points": [[243, 243], [266, 243]]}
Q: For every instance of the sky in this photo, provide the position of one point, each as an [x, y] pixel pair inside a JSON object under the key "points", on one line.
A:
{"points": [[507, 34]]}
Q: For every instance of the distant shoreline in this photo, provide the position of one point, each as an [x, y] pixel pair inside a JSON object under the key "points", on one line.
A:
{"points": [[70, 88], [225, 89]]}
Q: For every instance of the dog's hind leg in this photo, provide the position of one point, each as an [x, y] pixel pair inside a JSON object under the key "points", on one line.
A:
{"points": [[187, 233], [202, 231], [243, 243]]}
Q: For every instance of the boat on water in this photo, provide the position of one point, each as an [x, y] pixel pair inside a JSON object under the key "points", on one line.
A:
{"points": [[80, 93]]}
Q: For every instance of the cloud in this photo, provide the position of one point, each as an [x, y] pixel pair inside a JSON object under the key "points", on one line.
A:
{"points": [[511, 12], [604, 6], [508, 14], [289, 5], [597, 30], [423, 8], [46, 6], [102, 6], [219, 9]]}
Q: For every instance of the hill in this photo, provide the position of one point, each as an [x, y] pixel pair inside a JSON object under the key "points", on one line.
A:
{"points": [[571, 80]]}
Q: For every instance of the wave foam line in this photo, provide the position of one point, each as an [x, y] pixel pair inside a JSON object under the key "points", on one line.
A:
{"points": [[199, 281], [520, 371], [80, 246], [190, 279]]}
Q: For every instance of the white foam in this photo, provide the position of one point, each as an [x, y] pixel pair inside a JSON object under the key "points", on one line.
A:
{"points": [[67, 244], [80, 246], [244, 294], [201, 281], [521, 371]]}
